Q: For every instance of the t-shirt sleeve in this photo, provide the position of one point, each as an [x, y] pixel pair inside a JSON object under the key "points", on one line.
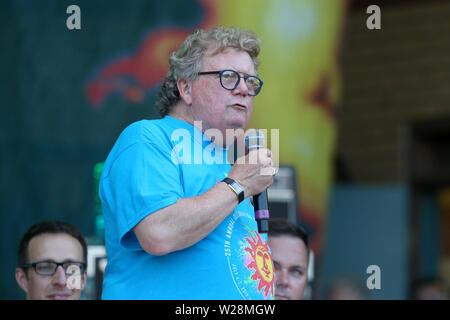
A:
{"points": [[142, 179]]}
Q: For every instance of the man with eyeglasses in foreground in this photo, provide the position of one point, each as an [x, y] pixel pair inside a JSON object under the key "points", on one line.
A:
{"points": [[52, 262], [178, 220]]}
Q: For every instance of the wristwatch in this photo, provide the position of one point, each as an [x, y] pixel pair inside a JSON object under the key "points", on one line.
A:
{"points": [[237, 189]]}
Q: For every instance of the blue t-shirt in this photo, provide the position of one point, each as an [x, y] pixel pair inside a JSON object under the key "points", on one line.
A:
{"points": [[152, 165]]}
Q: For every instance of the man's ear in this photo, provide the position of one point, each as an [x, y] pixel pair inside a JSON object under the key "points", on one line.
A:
{"points": [[184, 88], [22, 279]]}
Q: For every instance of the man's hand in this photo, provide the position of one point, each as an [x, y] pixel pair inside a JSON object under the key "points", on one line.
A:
{"points": [[251, 171]]}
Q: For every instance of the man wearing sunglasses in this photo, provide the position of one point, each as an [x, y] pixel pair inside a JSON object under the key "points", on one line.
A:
{"points": [[52, 262], [179, 222]]}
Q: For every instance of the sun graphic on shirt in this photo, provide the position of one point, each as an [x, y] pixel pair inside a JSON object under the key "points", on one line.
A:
{"points": [[261, 262]]}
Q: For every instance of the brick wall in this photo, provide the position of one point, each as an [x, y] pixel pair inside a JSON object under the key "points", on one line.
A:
{"points": [[391, 77]]}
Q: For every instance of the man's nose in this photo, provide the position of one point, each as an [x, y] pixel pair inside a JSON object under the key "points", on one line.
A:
{"points": [[59, 278], [242, 87]]}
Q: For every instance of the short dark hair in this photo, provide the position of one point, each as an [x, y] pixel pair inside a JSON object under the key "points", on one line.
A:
{"points": [[282, 227], [53, 227]]}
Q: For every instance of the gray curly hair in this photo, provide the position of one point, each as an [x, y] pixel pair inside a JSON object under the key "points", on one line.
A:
{"points": [[186, 62]]}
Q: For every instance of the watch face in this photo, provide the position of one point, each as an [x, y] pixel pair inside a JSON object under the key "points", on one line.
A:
{"points": [[237, 187]]}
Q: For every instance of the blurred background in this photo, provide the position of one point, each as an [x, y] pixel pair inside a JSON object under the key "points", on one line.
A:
{"points": [[363, 118]]}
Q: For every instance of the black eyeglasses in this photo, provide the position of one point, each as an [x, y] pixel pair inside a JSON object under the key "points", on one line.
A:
{"points": [[48, 268], [229, 79]]}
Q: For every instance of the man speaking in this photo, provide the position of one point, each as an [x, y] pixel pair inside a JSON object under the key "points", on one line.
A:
{"points": [[179, 222]]}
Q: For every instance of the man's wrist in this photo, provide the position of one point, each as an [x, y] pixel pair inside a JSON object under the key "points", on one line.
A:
{"points": [[236, 188]]}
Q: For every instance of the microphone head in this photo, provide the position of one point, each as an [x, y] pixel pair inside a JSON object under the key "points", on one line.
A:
{"points": [[254, 139]]}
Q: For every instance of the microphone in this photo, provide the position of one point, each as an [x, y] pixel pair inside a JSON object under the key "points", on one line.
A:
{"points": [[254, 139]]}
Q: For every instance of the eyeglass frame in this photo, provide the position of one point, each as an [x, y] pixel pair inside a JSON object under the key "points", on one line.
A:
{"points": [[220, 72], [58, 264]]}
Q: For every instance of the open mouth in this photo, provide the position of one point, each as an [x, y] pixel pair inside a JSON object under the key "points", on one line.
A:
{"points": [[239, 106]]}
